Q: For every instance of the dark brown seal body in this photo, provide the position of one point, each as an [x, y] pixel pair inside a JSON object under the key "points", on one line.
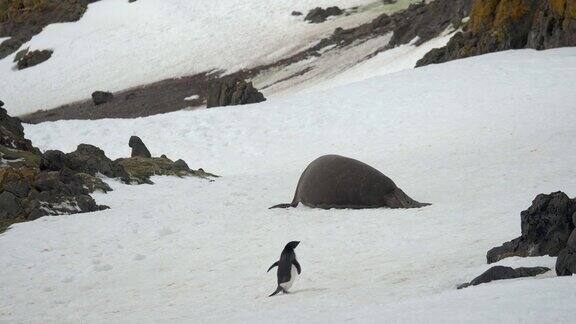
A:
{"points": [[334, 181]]}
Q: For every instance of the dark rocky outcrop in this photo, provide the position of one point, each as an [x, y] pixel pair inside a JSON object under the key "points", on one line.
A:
{"points": [[141, 169], [566, 262], [138, 147], [545, 226], [498, 25], [232, 92], [502, 273], [20, 20], [32, 186], [296, 13], [91, 160], [102, 97], [33, 58], [319, 15]]}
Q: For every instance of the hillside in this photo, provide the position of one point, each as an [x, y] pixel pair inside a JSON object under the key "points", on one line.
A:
{"points": [[186, 250]]}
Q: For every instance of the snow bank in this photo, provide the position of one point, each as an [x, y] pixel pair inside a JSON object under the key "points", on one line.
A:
{"points": [[478, 138]]}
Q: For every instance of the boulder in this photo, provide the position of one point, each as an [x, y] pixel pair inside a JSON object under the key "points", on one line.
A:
{"points": [[502, 273], [9, 207], [138, 147], [92, 160], [566, 262], [546, 226], [319, 15], [232, 92], [296, 13], [102, 97], [53, 160], [33, 58]]}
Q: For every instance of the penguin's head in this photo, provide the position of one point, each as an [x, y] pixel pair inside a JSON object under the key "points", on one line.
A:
{"points": [[292, 245]]}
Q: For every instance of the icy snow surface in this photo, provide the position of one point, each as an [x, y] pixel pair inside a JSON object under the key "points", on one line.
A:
{"points": [[478, 138]]}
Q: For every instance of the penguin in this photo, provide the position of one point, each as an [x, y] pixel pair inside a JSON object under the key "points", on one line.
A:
{"points": [[288, 268]]}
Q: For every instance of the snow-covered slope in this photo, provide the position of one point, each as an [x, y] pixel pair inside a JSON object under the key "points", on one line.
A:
{"points": [[118, 45], [478, 138]]}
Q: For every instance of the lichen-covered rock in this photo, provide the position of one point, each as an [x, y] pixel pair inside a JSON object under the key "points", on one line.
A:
{"points": [[502, 273], [33, 58], [141, 169], [319, 15], [33, 184], [138, 147], [545, 226], [232, 92], [498, 25]]}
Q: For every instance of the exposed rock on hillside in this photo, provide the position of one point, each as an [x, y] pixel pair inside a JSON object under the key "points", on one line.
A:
{"points": [[33, 184], [20, 19], [102, 97], [232, 91], [566, 262], [33, 58], [319, 15], [546, 226], [498, 25]]}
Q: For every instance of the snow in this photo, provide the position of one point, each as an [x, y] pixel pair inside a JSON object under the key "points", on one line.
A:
{"points": [[350, 64], [2, 39], [478, 138], [192, 97], [162, 39]]}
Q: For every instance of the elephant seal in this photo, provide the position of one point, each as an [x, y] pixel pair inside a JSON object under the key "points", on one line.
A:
{"points": [[334, 181], [288, 268]]}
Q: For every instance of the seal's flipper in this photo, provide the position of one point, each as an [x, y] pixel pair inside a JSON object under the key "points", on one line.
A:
{"points": [[275, 264], [279, 289], [282, 206]]}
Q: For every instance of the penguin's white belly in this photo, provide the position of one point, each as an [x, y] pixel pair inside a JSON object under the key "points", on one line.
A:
{"points": [[293, 274]]}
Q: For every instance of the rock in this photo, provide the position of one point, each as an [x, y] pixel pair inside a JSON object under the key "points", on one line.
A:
{"points": [[47, 181], [546, 226], [181, 165], [9, 207], [296, 13], [92, 160], [499, 25], [142, 169], [231, 92], [138, 147], [16, 185], [53, 160], [33, 58], [12, 133], [319, 15], [102, 97], [502, 273], [566, 262]]}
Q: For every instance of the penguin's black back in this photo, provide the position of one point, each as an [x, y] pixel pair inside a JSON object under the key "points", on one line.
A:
{"points": [[285, 265]]}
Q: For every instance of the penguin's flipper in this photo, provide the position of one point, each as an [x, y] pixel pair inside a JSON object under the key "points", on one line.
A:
{"points": [[279, 289], [275, 264], [297, 265]]}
